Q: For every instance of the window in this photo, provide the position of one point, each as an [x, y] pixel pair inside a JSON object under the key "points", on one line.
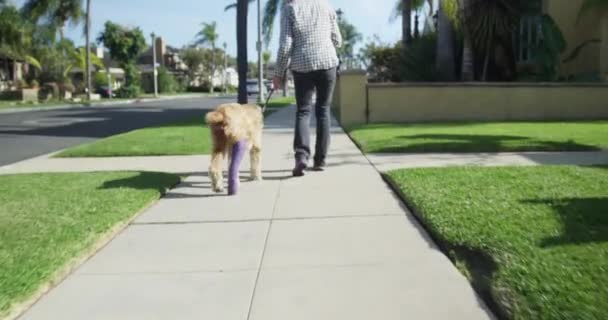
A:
{"points": [[529, 36], [529, 31]]}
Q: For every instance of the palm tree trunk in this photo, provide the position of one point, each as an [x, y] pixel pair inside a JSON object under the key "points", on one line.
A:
{"points": [[445, 46], [406, 23], [88, 45], [241, 37], [468, 68]]}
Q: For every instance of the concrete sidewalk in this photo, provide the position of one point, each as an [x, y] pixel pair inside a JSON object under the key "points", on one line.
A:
{"points": [[329, 246], [386, 162]]}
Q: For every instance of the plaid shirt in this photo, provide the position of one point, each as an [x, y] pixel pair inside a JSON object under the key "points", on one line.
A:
{"points": [[309, 37]]}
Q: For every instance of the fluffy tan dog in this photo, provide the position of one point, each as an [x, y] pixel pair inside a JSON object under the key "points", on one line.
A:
{"points": [[231, 123]]}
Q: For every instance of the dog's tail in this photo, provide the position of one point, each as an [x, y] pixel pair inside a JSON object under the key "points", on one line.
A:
{"points": [[214, 117]]}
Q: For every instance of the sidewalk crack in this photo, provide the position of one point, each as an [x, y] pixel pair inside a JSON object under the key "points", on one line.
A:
{"points": [[257, 277]]}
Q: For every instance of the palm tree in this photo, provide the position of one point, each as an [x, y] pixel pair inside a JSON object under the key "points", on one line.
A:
{"points": [[208, 35], [406, 23], [54, 13], [468, 66], [487, 23], [445, 42], [350, 37], [80, 59], [15, 36], [241, 35]]}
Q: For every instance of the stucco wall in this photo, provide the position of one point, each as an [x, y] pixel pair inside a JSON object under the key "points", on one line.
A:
{"points": [[565, 14], [493, 102], [359, 102]]}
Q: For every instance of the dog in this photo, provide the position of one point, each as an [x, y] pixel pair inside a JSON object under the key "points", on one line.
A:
{"points": [[229, 124]]}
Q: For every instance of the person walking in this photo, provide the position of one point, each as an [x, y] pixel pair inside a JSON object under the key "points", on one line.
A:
{"points": [[308, 41]]}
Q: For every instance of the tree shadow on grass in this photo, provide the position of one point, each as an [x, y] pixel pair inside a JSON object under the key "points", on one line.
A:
{"points": [[480, 143], [158, 181], [585, 220]]}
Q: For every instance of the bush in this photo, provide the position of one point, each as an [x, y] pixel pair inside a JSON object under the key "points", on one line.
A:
{"points": [[101, 79], [67, 86], [132, 75], [203, 87], [49, 90], [22, 84], [417, 64], [128, 91], [166, 81], [34, 84]]}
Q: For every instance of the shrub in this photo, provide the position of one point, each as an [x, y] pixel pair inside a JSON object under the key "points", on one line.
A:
{"points": [[166, 81], [132, 75], [128, 91], [22, 84], [390, 63], [49, 90], [101, 79], [203, 87]]}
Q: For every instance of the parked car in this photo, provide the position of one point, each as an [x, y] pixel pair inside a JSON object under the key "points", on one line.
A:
{"points": [[104, 91], [252, 87]]}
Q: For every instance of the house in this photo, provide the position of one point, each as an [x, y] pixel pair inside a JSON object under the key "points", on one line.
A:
{"points": [[592, 61], [11, 72], [231, 77]]}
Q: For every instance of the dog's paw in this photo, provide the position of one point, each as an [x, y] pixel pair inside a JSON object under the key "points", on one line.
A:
{"points": [[218, 189]]}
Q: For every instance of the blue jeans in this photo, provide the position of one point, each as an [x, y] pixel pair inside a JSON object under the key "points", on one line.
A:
{"points": [[323, 82]]}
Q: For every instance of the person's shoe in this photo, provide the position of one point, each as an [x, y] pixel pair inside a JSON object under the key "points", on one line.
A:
{"points": [[319, 166], [298, 171]]}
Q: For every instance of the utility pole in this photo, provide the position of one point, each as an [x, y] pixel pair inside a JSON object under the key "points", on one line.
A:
{"points": [[225, 67], [154, 74], [109, 82], [88, 48], [259, 47]]}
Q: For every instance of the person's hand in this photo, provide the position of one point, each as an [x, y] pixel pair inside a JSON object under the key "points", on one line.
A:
{"points": [[277, 83]]}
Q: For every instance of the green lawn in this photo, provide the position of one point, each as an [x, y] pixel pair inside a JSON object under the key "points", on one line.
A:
{"points": [[483, 137], [536, 238], [277, 103], [186, 138], [48, 219]]}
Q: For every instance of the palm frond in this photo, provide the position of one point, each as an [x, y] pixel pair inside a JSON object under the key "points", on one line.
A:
{"points": [[233, 6], [271, 10], [398, 9], [33, 62]]}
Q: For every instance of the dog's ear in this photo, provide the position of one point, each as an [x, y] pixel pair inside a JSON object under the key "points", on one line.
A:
{"points": [[214, 117]]}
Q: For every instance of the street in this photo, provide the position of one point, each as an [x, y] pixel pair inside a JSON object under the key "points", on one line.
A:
{"points": [[30, 134]]}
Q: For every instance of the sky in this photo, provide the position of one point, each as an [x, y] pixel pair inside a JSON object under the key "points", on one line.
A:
{"points": [[178, 21]]}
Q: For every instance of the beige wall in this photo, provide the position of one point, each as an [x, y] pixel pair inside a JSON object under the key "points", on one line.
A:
{"points": [[352, 97], [359, 102], [457, 102], [565, 14]]}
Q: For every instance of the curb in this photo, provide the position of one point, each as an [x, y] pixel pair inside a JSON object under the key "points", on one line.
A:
{"points": [[102, 104]]}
